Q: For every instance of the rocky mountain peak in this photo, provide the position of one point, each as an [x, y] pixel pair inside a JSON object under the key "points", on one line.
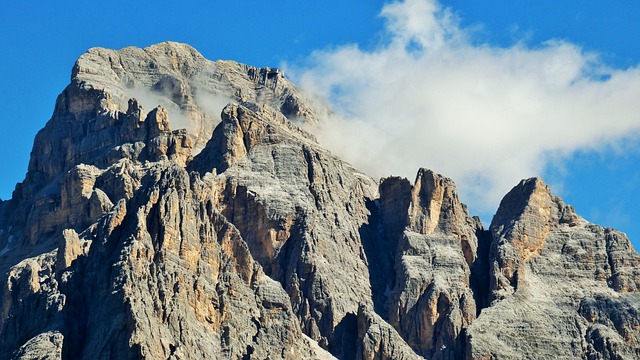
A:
{"points": [[174, 209], [193, 89], [102, 116], [521, 226], [172, 57], [544, 262], [435, 206], [532, 199], [531, 205]]}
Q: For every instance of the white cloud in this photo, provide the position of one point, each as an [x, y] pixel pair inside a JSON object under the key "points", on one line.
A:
{"points": [[484, 115], [199, 118], [178, 118]]}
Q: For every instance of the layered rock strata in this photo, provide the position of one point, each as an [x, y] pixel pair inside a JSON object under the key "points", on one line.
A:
{"points": [[213, 226], [432, 302], [550, 272]]}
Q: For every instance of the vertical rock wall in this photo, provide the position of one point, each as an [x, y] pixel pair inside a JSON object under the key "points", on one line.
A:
{"points": [[212, 226]]}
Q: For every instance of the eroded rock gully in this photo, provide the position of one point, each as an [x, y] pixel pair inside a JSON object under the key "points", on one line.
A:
{"points": [[214, 226]]}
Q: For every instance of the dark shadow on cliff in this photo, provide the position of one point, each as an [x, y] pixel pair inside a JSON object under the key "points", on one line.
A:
{"points": [[480, 279], [344, 338], [380, 252]]}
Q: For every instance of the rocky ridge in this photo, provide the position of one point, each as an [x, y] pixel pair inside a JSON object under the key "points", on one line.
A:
{"points": [[215, 226]]}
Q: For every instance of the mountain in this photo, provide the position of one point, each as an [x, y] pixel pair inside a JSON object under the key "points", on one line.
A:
{"points": [[215, 226]]}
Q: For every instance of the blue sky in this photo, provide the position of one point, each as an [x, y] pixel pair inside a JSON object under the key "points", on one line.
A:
{"points": [[597, 174]]}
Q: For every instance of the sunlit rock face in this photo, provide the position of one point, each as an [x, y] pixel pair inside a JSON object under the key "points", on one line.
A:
{"points": [[550, 271], [175, 208]]}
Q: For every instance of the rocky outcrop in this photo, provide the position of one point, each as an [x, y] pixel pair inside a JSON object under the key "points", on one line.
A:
{"points": [[213, 226], [159, 274], [193, 88], [31, 309], [69, 155], [379, 340], [432, 302], [89, 205], [301, 211], [46, 346], [548, 267], [184, 284]]}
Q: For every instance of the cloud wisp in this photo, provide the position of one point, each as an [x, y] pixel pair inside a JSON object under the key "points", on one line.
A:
{"points": [[199, 118], [486, 116]]}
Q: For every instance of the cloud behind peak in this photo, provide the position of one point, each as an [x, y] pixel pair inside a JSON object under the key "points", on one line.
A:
{"points": [[487, 116]]}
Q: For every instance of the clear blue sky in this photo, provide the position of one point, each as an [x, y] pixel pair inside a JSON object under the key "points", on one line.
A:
{"points": [[41, 40]]}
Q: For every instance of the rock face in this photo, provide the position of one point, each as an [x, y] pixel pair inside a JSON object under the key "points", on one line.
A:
{"points": [[432, 301], [214, 226], [551, 272]]}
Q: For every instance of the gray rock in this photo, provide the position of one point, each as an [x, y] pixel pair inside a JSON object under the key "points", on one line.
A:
{"points": [[547, 264], [432, 302], [301, 211], [613, 329], [192, 87], [379, 340], [31, 306], [212, 226], [45, 346], [144, 267]]}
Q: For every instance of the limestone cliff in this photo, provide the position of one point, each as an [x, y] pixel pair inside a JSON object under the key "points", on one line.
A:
{"points": [[211, 225], [550, 273]]}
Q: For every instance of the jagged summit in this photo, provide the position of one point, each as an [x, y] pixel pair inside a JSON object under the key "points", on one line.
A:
{"points": [[102, 115], [171, 57], [193, 88], [173, 209]]}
